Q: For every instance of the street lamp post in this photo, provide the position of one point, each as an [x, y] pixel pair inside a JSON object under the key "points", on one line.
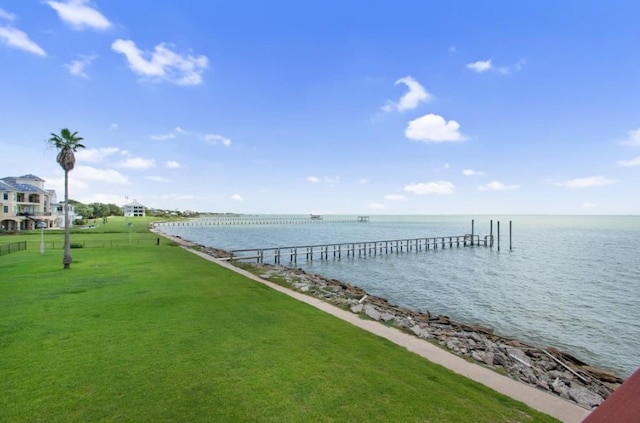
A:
{"points": [[130, 225], [42, 225]]}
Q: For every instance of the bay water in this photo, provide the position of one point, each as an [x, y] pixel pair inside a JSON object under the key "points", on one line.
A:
{"points": [[572, 282]]}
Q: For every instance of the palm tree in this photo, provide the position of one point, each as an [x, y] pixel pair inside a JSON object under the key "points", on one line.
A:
{"points": [[66, 143]]}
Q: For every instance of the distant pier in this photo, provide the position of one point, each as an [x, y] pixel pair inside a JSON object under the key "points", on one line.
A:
{"points": [[260, 220]]}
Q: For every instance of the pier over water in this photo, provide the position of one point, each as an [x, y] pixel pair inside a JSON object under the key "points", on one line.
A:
{"points": [[292, 254], [355, 249]]}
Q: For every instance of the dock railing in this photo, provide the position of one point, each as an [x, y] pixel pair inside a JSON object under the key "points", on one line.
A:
{"points": [[356, 249]]}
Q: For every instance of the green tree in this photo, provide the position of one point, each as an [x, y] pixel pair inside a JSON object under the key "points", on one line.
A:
{"points": [[114, 210], [82, 209], [67, 143]]}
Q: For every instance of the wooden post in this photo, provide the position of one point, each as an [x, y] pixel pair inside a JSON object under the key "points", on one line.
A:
{"points": [[491, 234], [510, 248], [498, 235], [472, 231]]}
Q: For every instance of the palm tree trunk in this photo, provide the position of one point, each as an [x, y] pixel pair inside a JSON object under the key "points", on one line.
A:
{"points": [[66, 261]]}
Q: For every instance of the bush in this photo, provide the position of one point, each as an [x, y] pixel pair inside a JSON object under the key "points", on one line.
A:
{"points": [[76, 245]]}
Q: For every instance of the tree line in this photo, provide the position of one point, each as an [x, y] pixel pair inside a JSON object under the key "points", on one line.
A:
{"points": [[95, 210]]}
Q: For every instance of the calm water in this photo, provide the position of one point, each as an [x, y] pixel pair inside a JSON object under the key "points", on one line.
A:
{"points": [[571, 281]]}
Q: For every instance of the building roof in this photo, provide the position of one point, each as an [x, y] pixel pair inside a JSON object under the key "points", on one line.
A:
{"points": [[29, 188], [32, 177], [134, 203], [10, 183], [5, 186]]}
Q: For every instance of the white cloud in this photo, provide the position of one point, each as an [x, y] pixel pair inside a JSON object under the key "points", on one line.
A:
{"points": [[363, 181], [157, 178], [178, 131], [95, 155], [77, 67], [395, 197], [332, 180], [162, 137], [433, 128], [313, 179], [163, 63], [15, 38], [630, 163], [411, 99], [137, 163], [237, 197], [486, 65], [589, 205], [78, 15], [471, 172], [480, 66], [172, 164], [170, 135], [7, 15], [215, 139], [591, 181], [634, 138], [114, 127], [437, 187], [376, 206], [102, 175], [75, 184], [497, 186]]}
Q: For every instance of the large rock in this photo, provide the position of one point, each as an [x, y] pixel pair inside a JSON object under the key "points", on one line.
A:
{"points": [[420, 331], [357, 308], [560, 388], [372, 312], [585, 397]]}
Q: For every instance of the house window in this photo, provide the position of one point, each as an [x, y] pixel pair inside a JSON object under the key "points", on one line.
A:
{"points": [[5, 196], [5, 209]]}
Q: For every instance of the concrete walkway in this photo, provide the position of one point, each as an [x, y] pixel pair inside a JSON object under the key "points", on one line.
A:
{"points": [[549, 404]]}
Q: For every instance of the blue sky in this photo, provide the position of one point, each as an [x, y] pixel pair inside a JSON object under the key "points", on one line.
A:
{"points": [[331, 107]]}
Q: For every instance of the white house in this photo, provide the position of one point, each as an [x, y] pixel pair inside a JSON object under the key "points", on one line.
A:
{"points": [[133, 209], [59, 207]]}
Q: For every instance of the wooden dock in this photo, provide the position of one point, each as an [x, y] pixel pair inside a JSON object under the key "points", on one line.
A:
{"points": [[357, 249]]}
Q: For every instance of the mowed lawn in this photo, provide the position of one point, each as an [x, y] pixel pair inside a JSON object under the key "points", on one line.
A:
{"points": [[150, 333]]}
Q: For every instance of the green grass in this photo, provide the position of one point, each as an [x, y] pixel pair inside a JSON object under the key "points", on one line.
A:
{"points": [[154, 333]]}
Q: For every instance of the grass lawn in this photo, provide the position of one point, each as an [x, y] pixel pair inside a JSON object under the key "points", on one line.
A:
{"points": [[155, 333]]}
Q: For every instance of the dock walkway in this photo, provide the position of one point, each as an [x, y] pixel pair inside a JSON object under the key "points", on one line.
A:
{"points": [[357, 249]]}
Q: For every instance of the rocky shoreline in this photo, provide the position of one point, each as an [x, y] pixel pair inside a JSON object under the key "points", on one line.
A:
{"points": [[547, 369]]}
